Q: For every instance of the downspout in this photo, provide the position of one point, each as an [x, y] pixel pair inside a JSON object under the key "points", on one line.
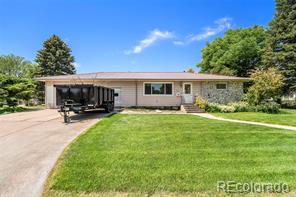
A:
{"points": [[201, 93], [181, 93], [136, 93], [45, 95]]}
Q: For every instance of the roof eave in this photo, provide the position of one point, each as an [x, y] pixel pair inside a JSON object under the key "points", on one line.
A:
{"points": [[133, 79]]}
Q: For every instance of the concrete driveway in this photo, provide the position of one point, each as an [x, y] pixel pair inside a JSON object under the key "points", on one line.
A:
{"points": [[30, 144]]}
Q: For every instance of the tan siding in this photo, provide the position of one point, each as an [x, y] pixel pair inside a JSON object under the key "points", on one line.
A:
{"points": [[173, 100], [50, 95], [196, 86], [128, 92]]}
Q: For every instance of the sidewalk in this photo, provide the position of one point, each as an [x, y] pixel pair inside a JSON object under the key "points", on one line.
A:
{"points": [[206, 115]]}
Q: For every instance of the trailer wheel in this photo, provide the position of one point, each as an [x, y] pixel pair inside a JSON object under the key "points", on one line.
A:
{"points": [[109, 107], [67, 118]]}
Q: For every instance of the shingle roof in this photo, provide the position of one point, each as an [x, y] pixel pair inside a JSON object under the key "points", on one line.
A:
{"points": [[142, 76]]}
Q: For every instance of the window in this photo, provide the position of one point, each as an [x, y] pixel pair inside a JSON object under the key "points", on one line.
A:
{"points": [[158, 88], [148, 88], [169, 88], [187, 88], [221, 86]]}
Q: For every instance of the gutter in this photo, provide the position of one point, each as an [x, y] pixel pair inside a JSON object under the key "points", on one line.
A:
{"points": [[142, 79]]}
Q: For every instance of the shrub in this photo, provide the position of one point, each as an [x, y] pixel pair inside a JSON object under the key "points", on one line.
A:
{"points": [[227, 109], [200, 102], [270, 107], [215, 107], [240, 106], [7, 109]]}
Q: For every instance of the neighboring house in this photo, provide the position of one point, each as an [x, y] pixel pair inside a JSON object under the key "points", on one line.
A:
{"points": [[153, 89], [290, 97]]}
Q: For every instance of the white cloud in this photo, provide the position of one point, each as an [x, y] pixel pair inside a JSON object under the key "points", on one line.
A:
{"points": [[153, 37], [178, 42], [222, 24]]}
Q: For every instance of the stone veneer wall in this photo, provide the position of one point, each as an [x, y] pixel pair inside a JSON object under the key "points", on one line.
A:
{"points": [[233, 92]]}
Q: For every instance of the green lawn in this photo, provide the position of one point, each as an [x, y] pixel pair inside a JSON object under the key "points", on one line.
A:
{"points": [[150, 154], [285, 117]]}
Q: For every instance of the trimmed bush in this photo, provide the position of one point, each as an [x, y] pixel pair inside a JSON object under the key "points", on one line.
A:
{"points": [[213, 107], [240, 106], [270, 107], [227, 109]]}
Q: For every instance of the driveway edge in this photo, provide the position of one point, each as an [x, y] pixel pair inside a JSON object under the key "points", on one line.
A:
{"points": [[45, 186]]}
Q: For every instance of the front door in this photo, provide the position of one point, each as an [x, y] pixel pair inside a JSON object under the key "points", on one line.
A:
{"points": [[187, 93]]}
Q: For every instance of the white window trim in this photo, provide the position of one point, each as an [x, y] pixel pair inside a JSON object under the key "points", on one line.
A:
{"points": [[222, 89], [191, 93], [154, 82]]}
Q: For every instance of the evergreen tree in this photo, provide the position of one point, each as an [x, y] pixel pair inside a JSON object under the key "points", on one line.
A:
{"points": [[281, 42], [55, 58], [13, 89]]}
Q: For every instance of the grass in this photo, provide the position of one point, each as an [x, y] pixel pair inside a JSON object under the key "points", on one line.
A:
{"points": [[174, 154], [285, 117]]}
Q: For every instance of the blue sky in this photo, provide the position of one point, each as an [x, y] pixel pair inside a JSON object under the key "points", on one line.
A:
{"points": [[126, 35]]}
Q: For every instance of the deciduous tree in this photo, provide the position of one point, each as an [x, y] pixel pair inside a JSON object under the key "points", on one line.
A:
{"points": [[266, 85], [237, 53], [190, 70], [17, 66]]}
